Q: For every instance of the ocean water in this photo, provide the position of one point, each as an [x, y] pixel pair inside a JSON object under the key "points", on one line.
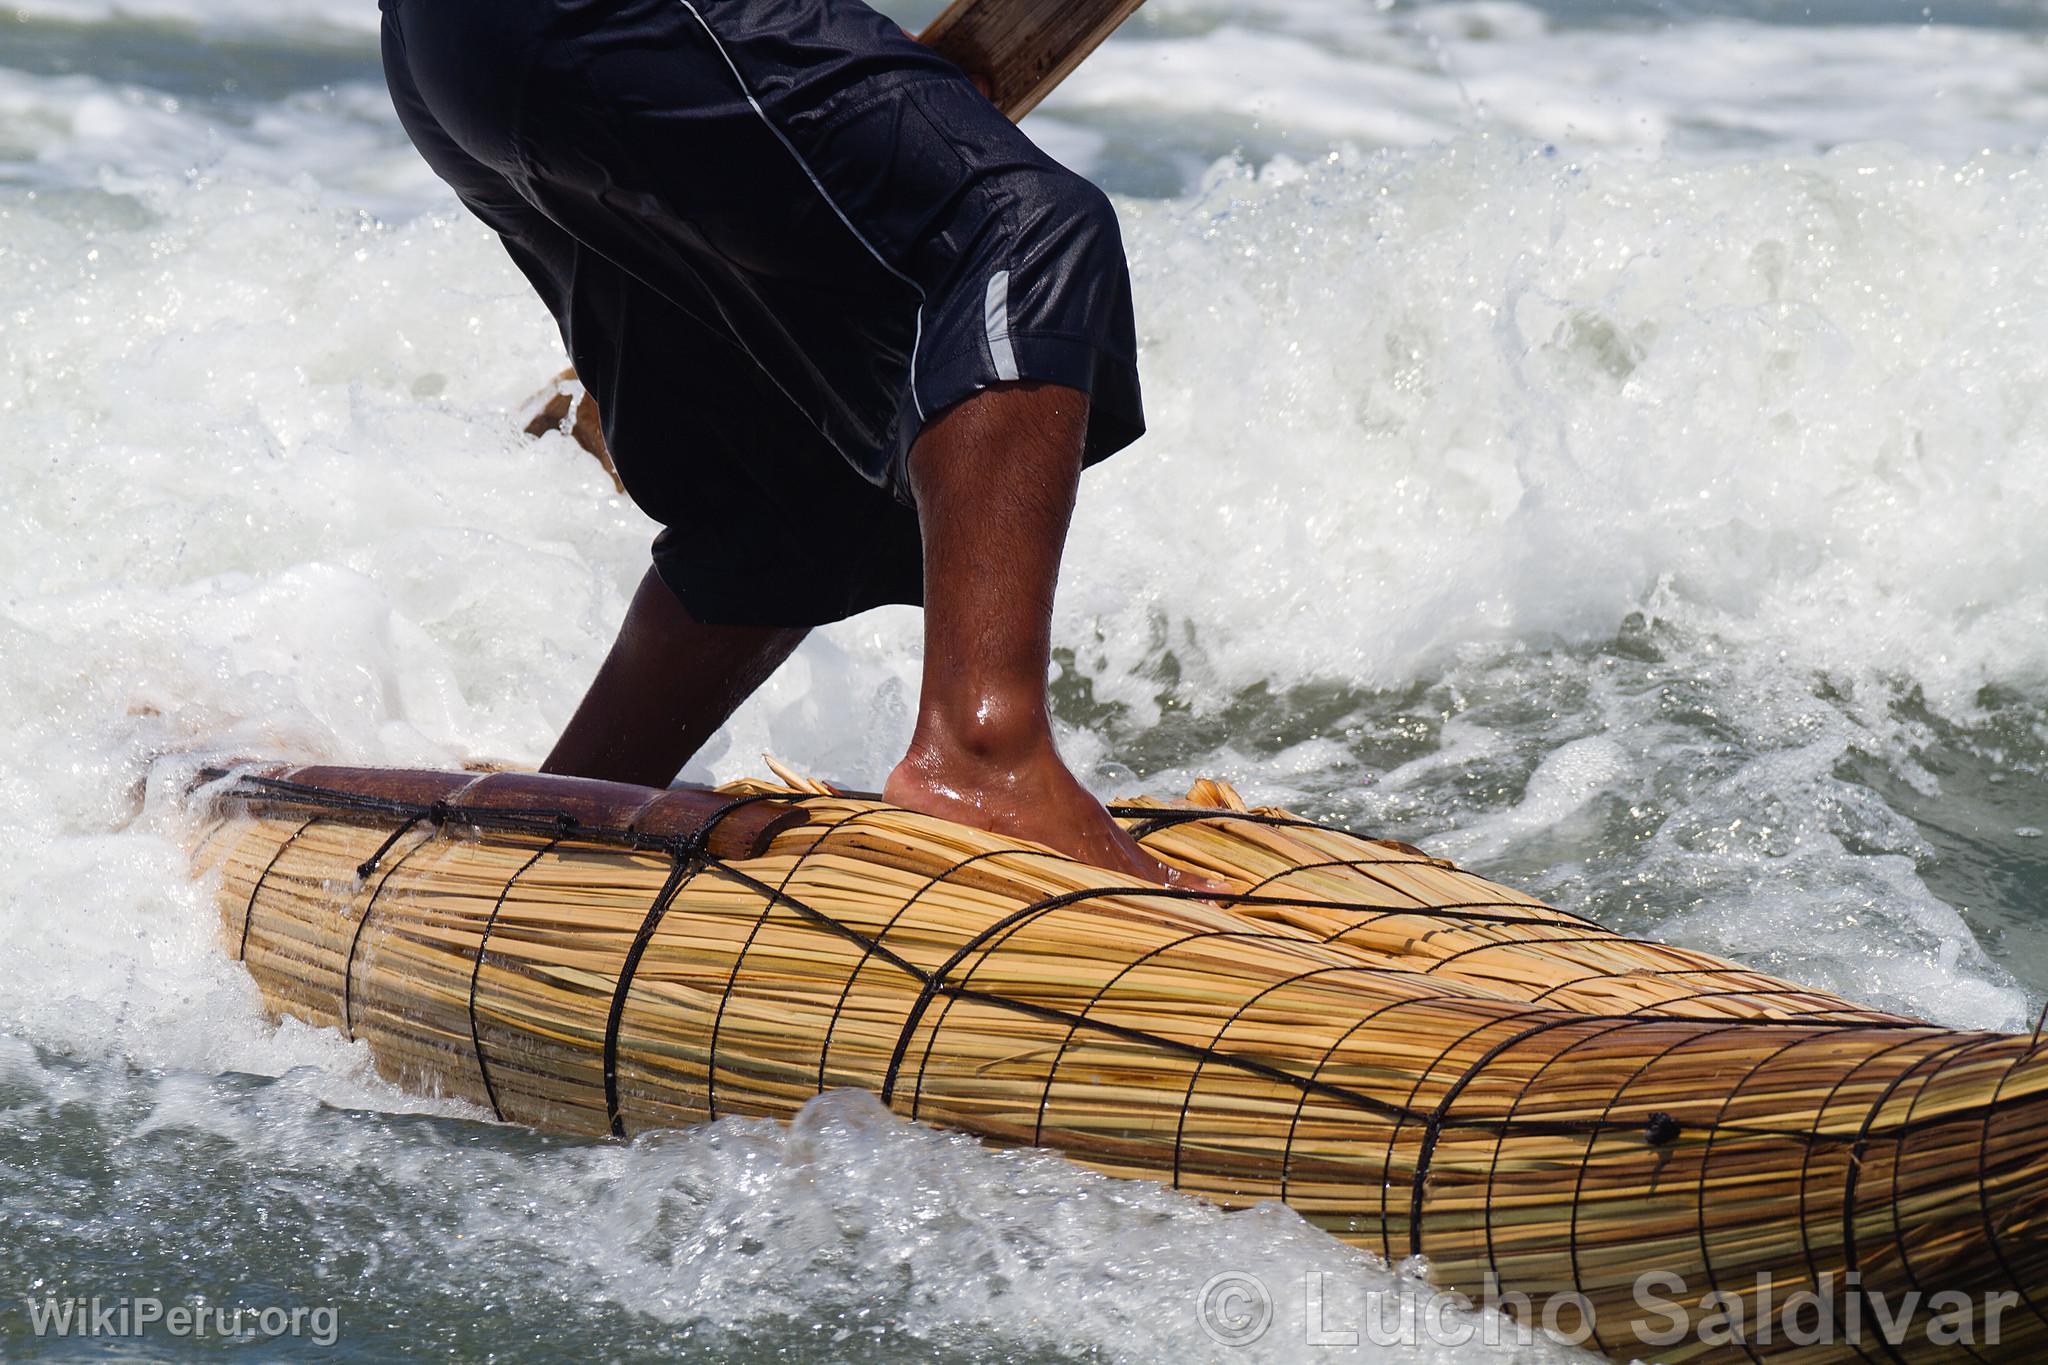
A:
{"points": [[1602, 442]]}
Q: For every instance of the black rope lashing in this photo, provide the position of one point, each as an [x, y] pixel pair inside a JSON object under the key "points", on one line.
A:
{"points": [[1984, 1194], [1538, 913], [1602, 936], [1213, 1049], [1614, 1100], [348, 970], [476, 966], [1110, 983], [934, 985], [690, 855], [1151, 819], [1409, 1111], [1841, 1082], [1500, 1144], [678, 873], [1468, 912], [1342, 1094], [846, 991], [732, 982], [369, 865], [542, 823], [693, 856], [1265, 1070], [249, 912], [1702, 1221], [1660, 973], [1068, 898], [255, 786], [1845, 1012], [1000, 934], [934, 981], [1316, 1074], [818, 917], [1434, 1125], [931, 981], [698, 841], [1901, 1243], [1807, 1181], [1852, 1174]]}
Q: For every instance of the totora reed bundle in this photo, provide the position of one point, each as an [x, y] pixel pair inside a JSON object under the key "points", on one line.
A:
{"points": [[1415, 1059]]}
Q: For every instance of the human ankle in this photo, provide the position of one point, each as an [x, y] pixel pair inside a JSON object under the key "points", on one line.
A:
{"points": [[989, 738]]}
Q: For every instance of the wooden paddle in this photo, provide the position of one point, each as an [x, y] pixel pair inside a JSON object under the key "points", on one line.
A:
{"points": [[1023, 48], [1017, 49]]}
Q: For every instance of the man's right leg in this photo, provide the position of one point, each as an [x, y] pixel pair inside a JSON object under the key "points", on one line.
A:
{"points": [[995, 478], [669, 682]]}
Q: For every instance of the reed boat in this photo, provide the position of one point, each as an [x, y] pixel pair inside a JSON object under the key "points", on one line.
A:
{"points": [[1412, 1057]]}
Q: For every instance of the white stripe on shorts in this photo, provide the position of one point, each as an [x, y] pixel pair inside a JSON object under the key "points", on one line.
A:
{"points": [[996, 318]]}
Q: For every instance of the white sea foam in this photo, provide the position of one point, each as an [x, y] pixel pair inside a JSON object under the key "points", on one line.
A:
{"points": [[1526, 392], [305, 19], [1294, 73]]}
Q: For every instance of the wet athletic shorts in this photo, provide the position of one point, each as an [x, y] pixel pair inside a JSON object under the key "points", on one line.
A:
{"points": [[779, 236]]}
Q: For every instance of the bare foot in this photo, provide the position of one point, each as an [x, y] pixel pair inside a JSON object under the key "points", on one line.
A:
{"points": [[1034, 798], [995, 477]]}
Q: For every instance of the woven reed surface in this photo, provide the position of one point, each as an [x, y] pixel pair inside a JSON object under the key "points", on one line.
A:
{"points": [[1412, 1057]]}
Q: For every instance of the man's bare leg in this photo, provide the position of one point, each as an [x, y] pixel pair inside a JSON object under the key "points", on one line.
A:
{"points": [[669, 682], [995, 478]]}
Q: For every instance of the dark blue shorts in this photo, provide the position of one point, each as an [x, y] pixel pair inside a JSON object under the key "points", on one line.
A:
{"points": [[778, 236]]}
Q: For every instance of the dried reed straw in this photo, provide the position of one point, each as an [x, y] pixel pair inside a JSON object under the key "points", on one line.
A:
{"points": [[1417, 1059]]}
